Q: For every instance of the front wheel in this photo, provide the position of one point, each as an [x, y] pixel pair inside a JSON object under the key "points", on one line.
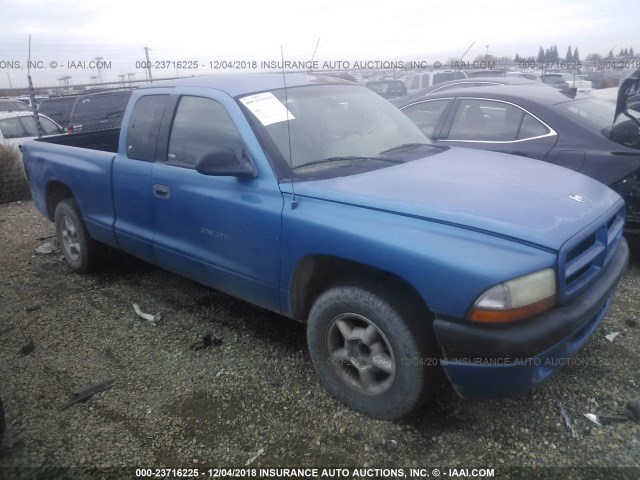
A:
{"points": [[81, 252], [370, 352]]}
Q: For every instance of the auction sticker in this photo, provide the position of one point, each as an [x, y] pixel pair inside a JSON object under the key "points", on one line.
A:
{"points": [[267, 108]]}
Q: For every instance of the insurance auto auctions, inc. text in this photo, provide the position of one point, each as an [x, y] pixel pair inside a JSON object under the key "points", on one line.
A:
{"points": [[369, 473]]}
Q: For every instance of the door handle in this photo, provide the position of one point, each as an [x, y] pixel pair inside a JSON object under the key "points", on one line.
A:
{"points": [[161, 191]]}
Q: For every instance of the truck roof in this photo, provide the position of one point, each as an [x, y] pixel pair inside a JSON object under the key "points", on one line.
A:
{"points": [[239, 84]]}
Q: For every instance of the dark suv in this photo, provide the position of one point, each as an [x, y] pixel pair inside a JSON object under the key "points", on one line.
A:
{"points": [[59, 109], [99, 111]]}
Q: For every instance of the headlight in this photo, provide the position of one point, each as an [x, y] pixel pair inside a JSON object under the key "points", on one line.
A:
{"points": [[516, 299]]}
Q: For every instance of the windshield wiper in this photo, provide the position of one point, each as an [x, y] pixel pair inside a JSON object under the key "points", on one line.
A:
{"points": [[348, 158], [406, 146]]}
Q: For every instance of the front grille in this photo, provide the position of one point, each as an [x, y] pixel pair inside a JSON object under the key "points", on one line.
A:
{"points": [[583, 257]]}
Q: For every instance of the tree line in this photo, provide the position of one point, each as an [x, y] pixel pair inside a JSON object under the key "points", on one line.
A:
{"points": [[550, 54]]}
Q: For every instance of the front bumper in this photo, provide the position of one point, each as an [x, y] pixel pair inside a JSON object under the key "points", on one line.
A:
{"points": [[507, 360]]}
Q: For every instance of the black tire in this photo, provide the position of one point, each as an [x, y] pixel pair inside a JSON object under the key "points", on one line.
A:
{"points": [[82, 253], [373, 351]]}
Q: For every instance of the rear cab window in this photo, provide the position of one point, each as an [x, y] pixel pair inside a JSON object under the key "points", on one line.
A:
{"points": [[144, 124]]}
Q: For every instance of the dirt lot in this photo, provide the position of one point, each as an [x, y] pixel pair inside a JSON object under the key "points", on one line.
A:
{"points": [[255, 397]]}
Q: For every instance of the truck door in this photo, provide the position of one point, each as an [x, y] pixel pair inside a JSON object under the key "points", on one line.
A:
{"points": [[222, 231], [132, 193]]}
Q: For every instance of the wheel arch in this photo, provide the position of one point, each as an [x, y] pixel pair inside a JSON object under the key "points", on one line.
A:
{"points": [[316, 273], [56, 192]]}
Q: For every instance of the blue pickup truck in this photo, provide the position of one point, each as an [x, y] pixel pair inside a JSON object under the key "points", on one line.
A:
{"points": [[315, 198]]}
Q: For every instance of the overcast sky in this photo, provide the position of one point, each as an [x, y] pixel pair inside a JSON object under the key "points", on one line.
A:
{"points": [[349, 30]]}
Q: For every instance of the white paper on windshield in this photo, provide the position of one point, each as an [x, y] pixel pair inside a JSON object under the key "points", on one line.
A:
{"points": [[267, 108]]}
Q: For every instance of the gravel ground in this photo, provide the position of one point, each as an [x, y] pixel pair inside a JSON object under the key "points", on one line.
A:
{"points": [[255, 397]]}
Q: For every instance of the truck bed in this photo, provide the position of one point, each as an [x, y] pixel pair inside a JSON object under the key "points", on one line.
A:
{"points": [[103, 140], [82, 164]]}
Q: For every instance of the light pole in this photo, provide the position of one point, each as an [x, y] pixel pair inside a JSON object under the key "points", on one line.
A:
{"points": [[146, 52], [98, 65], [65, 80]]}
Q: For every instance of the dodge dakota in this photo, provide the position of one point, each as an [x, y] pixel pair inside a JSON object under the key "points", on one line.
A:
{"points": [[315, 198]]}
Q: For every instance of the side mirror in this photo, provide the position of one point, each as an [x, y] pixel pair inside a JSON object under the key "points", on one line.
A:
{"points": [[223, 162]]}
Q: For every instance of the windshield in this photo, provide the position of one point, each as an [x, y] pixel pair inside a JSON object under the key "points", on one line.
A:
{"points": [[598, 114], [334, 130]]}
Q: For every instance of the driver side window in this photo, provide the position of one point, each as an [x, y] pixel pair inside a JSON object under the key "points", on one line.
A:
{"points": [[199, 125]]}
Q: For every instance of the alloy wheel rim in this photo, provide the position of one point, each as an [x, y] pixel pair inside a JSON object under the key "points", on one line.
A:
{"points": [[70, 240], [361, 354]]}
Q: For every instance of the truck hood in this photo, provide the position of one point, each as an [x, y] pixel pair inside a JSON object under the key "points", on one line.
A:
{"points": [[504, 195]]}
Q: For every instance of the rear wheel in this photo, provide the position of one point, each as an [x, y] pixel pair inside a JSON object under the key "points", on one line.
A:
{"points": [[81, 251], [372, 353]]}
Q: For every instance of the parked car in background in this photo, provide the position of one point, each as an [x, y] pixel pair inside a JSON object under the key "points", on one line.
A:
{"points": [[605, 78], [99, 111], [16, 127], [59, 108], [462, 83], [9, 105], [428, 79], [387, 88], [574, 131], [534, 76], [567, 80], [609, 94], [343, 76], [26, 99], [486, 72]]}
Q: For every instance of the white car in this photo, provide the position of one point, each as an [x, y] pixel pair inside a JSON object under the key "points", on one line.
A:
{"points": [[422, 80], [563, 79], [18, 126]]}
